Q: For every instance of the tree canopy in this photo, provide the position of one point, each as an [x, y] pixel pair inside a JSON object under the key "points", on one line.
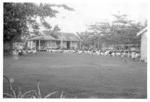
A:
{"points": [[121, 30], [17, 15]]}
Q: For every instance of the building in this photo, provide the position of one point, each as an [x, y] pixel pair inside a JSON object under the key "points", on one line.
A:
{"points": [[62, 41], [143, 48]]}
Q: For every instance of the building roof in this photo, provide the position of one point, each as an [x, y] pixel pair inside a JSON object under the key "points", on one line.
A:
{"points": [[68, 37], [142, 31], [60, 36], [42, 38]]}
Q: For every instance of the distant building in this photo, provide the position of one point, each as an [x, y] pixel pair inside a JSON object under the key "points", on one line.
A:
{"points": [[62, 41], [143, 49]]}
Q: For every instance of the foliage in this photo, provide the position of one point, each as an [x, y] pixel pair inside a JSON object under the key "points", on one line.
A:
{"points": [[121, 31], [17, 15], [125, 30], [45, 24], [55, 31], [85, 41], [27, 94]]}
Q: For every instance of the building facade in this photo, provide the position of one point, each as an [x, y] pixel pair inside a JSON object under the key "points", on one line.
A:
{"points": [[143, 48], [45, 42]]}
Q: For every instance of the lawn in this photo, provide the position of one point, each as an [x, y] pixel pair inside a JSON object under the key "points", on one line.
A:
{"points": [[79, 76]]}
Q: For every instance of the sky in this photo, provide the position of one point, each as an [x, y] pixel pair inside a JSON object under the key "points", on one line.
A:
{"points": [[88, 12]]}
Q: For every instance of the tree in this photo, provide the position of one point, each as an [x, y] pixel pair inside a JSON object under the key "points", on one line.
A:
{"points": [[124, 30], [86, 40], [55, 31], [17, 15], [46, 25], [121, 31], [42, 18], [101, 32]]}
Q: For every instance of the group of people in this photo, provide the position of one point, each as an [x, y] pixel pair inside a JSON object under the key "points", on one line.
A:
{"points": [[121, 53], [21, 52], [108, 52]]}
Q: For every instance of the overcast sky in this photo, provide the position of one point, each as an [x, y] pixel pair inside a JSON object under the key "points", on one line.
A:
{"points": [[90, 11]]}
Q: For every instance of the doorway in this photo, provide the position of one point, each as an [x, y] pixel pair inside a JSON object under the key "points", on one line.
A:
{"points": [[68, 44]]}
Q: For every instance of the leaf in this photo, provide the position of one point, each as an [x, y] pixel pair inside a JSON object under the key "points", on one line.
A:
{"points": [[9, 95], [50, 94], [61, 95], [10, 86], [27, 92], [19, 93], [38, 89]]}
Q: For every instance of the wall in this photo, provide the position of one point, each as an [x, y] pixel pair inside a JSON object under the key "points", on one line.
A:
{"points": [[74, 45], [144, 47], [51, 44]]}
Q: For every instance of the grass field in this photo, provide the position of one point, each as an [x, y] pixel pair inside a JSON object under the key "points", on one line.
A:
{"points": [[80, 76]]}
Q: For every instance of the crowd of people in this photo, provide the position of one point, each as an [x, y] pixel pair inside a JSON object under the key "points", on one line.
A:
{"points": [[121, 53], [21, 52], [106, 52]]}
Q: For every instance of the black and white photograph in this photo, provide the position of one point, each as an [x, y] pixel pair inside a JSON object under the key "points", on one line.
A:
{"points": [[75, 49]]}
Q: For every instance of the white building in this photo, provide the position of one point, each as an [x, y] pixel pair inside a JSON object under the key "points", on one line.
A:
{"points": [[143, 49]]}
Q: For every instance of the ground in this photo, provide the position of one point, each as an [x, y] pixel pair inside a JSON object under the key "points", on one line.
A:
{"points": [[81, 76]]}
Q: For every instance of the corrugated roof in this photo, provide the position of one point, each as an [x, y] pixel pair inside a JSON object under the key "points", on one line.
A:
{"points": [[69, 37], [42, 38], [60, 36]]}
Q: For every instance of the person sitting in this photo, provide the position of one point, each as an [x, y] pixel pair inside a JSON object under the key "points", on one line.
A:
{"points": [[20, 52]]}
